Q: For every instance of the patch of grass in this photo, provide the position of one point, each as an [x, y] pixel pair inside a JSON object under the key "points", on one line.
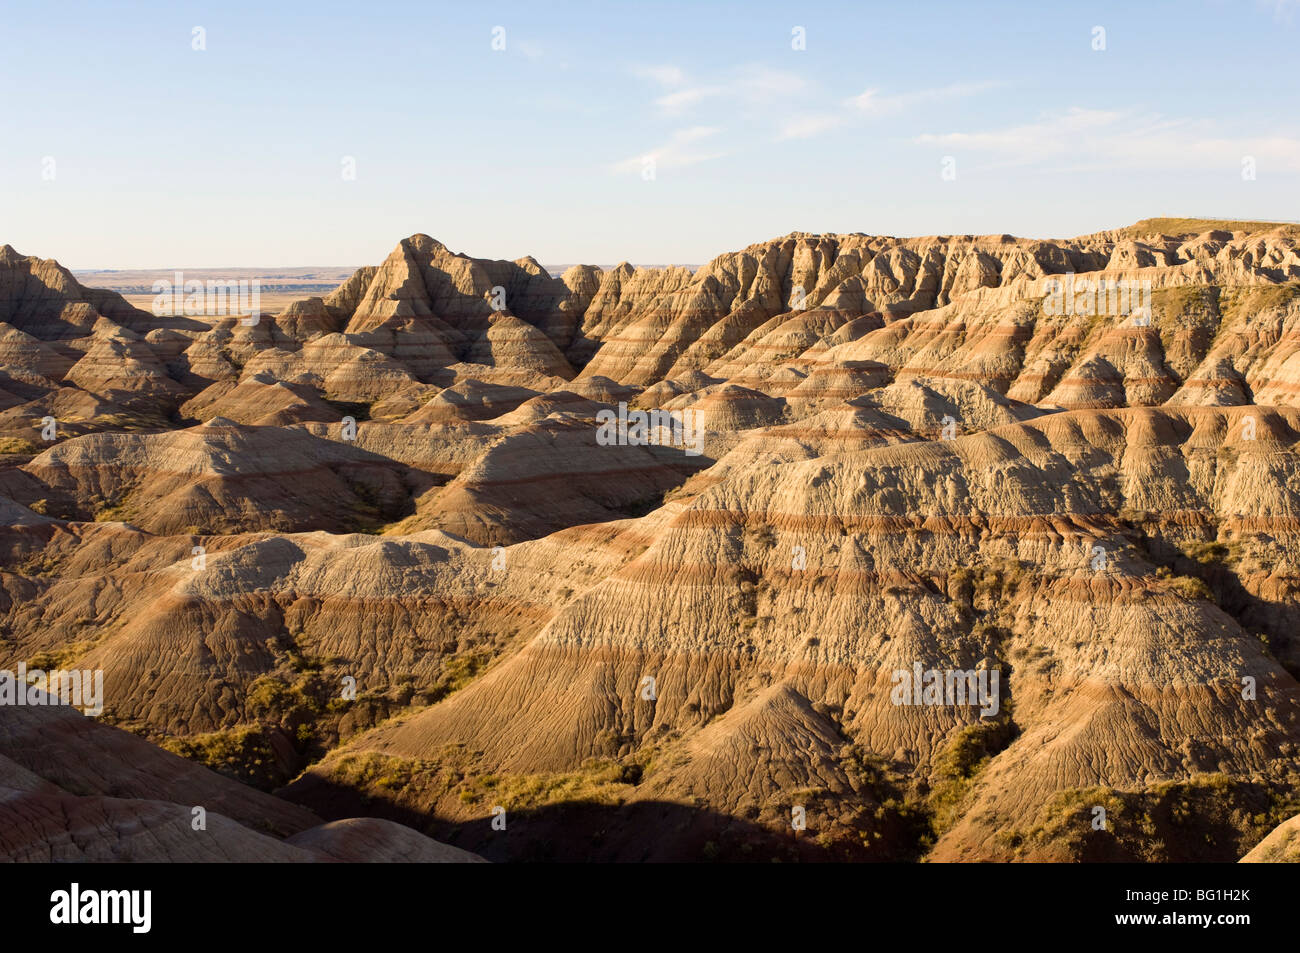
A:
{"points": [[1205, 817], [598, 781], [986, 584], [114, 513], [1188, 319], [39, 564], [452, 772], [1197, 226], [60, 658], [244, 754], [18, 445], [270, 696], [1176, 303], [877, 820], [1255, 299], [1211, 553], [304, 707], [457, 672], [967, 753], [375, 769], [1188, 587]]}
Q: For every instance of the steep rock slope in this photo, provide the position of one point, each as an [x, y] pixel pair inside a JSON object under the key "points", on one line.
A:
{"points": [[910, 454], [74, 790]]}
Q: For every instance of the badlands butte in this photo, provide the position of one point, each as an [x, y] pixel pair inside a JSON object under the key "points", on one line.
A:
{"points": [[908, 458]]}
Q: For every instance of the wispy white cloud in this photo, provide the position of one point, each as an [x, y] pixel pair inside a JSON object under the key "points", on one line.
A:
{"points": [[665, 74], [682, 100], [680, 150], [805, 127], [1094, 138], [872, 102], [748, 86], [1049, 137], [529, 49], [1283, 10], [784, 104]]}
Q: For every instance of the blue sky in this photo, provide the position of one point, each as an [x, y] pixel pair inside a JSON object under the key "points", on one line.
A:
{"points": [[233, 155]]}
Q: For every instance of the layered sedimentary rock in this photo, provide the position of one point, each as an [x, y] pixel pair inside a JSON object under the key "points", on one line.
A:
{"points": [[74, 791], [388, 546]]}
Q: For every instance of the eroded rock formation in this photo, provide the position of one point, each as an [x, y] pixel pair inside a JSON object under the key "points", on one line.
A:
{"points": [[910, 457]]}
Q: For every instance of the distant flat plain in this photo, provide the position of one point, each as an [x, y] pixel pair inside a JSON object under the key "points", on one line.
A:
{"points": [[277, 286]]}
